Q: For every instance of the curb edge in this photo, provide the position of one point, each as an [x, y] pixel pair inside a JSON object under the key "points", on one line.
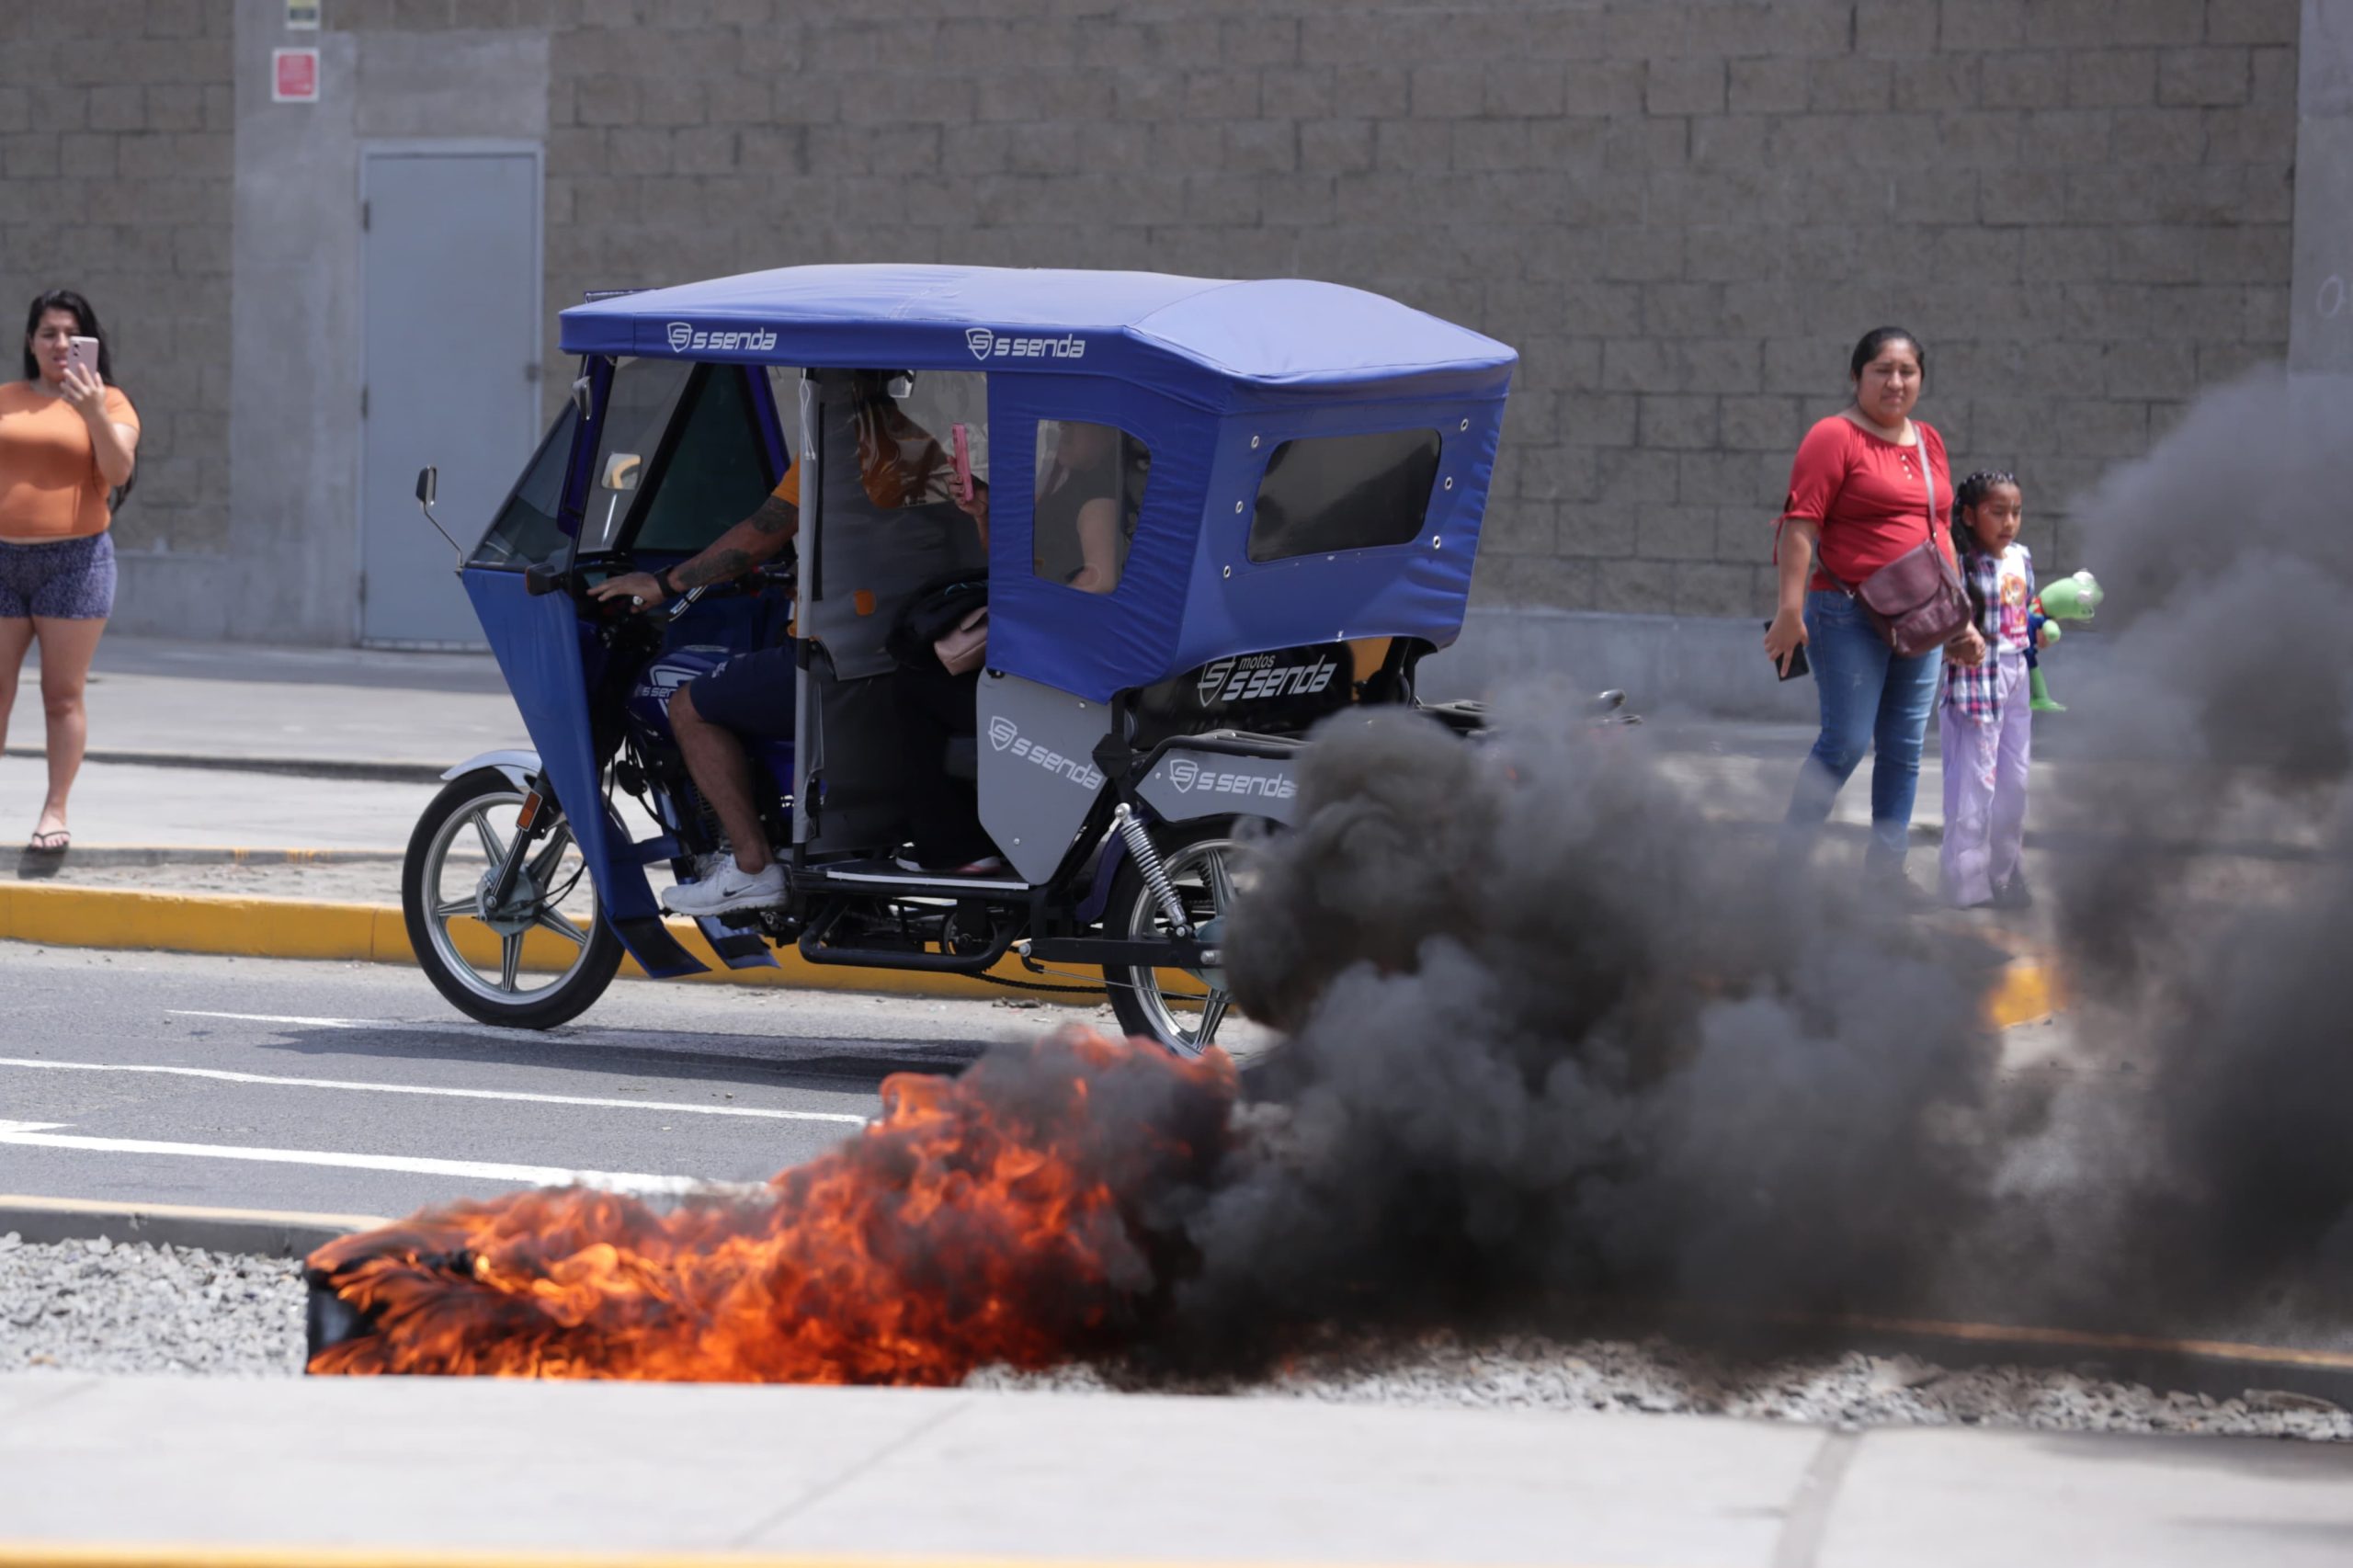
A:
{"points": [[266, 1232]]}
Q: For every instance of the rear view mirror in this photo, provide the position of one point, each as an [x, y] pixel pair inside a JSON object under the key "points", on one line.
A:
{"points": [[620, 471], [428, 479]]}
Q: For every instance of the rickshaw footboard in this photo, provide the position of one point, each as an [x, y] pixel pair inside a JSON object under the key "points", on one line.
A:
{"points": [[815, 949], [1112, 952]]}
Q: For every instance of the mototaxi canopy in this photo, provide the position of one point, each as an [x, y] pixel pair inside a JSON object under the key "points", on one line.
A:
{"points": [[1213, 375]]}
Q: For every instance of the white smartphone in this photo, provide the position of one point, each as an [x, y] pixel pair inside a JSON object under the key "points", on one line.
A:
{"points": [[82, 351]]}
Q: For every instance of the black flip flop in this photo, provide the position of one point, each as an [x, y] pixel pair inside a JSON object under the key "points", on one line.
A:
{"points": [[56, 841]]}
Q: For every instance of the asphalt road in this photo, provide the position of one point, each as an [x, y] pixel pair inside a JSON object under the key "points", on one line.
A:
{"points": [[354, 1088]]}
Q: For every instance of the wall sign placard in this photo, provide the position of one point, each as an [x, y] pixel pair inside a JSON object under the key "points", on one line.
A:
{"points": [[294, 76]]}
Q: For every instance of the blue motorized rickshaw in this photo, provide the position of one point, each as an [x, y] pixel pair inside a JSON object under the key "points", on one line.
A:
{"points": [[1296, 472]]}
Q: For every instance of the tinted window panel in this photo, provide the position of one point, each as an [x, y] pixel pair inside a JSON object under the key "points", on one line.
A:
{"points": [[1089, 492], [1325, 493], [712, 474], [526, 531], [906, 426]]}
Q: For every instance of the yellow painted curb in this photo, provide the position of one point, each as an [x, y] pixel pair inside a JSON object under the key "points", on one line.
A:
{"points": [[2025, 990], [19, 1202], [243, 926]]}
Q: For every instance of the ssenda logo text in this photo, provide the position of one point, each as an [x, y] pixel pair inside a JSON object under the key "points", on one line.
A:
{"points": [[1006, 736], [1191, 779], [1261, 676], [987, 345], [685, 336]]}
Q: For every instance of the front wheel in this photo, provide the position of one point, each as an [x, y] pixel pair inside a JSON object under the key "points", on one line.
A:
{"points": [[536, 957], [1180, 1008]]}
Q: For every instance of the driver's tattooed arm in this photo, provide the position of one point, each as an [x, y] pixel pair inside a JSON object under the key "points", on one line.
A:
{"points": [[758, 537], [775, 516]]}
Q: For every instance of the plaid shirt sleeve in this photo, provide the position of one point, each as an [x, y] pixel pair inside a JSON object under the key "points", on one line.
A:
{"points": [[1975, 691]]}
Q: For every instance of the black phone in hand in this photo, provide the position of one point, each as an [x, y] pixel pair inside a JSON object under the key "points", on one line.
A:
{"points": [[1798, 665]]}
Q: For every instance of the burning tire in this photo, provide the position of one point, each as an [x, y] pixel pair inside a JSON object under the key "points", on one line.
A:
{"points": [[1181, 1009], [482, 956]]}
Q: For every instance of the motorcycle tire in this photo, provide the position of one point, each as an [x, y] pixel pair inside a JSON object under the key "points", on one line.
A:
{"points": [[1141, 999], [470, 801]]}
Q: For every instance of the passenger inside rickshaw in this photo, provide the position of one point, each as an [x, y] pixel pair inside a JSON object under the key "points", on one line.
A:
{"points": [[1090, 488]]}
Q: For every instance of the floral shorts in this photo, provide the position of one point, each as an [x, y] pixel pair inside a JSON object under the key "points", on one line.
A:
{"points": [[71, 580]]}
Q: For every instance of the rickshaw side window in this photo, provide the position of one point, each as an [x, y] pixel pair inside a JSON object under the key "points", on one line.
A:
{"points": [[920, 435], [1090, 492], [636, 410], [1325, 493], [526, 531], [711, 474]]}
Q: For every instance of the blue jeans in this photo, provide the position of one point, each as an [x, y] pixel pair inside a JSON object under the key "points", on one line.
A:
{"points": [[1870, 699]]}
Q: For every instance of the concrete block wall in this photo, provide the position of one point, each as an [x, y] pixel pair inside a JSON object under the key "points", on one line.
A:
{"points": [[1681, 214], [116, 122]]}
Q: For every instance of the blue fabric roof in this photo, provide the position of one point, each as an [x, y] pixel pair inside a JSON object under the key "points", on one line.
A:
{"points": [[1219, 344]]}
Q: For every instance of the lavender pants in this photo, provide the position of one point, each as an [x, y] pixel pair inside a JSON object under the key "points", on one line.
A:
{"points": [[70, 580], [1986, 768]]}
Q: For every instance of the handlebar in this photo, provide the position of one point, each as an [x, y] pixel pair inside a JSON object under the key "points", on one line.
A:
{"points": [[575, 580]]}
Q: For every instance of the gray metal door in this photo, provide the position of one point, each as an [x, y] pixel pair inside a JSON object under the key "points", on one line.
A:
{"points": [[451, 284]]}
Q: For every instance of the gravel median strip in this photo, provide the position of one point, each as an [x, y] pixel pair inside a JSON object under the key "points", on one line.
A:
{"points": [[100, 1306]]}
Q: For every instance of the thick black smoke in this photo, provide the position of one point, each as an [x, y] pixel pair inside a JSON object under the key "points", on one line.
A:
{"points": [[1560, 1040], [1560, 1037], [2226, 973]]}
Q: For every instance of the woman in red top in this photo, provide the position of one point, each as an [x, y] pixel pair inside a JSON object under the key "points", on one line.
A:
{"points": [[1869, 484], [68, 443]]}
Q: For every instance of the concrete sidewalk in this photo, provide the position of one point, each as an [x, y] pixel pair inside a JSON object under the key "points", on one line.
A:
{"points": [[315, 709], [203, 1467]]}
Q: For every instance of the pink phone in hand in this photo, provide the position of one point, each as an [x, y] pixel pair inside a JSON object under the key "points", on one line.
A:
{"points": [[82, 351], [963, 442]]}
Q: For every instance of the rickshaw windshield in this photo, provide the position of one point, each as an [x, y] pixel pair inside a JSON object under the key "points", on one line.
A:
{"points": [[636, 410], [680, 459], [525, 530]]}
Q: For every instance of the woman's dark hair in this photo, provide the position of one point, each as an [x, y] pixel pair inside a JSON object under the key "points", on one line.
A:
{"points": [[86, 324], [1965, 499], [1878, 338]]}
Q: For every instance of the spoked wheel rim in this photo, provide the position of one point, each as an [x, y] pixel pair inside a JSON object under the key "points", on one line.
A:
{"points": [[553, 894], [1186, 1014]]}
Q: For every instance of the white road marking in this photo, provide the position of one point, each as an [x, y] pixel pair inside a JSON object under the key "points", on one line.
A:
{"points": [[519, 1096], [38, 1135], [289, 1018], [567, 1035]]}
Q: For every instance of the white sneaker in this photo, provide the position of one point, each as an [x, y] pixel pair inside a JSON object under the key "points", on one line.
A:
{"points": [[728, 887]]}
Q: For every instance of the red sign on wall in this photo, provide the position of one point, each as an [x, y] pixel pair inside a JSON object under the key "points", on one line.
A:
{"points": [[294, 76]]}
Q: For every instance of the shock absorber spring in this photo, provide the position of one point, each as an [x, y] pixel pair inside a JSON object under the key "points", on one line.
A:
{"points": [[1148, 865]]}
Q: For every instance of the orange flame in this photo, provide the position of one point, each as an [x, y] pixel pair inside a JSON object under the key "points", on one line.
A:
{"points": [[1017, 1215]]}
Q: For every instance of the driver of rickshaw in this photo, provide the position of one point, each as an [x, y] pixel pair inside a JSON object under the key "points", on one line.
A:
{"points": [[751, 694]]}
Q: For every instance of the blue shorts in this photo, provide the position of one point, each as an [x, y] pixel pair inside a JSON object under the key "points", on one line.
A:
{"points": [[71, 580], [751, 694]]}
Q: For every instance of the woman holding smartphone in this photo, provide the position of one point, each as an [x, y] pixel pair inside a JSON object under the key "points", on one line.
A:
{"points": [[69, 441]]}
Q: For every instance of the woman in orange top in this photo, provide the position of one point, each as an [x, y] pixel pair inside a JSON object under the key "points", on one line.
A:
{"points": [[69, 441]]}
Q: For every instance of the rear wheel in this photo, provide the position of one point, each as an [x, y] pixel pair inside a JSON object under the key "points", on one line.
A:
{"points": [[1181, 1009], [536, 957]]}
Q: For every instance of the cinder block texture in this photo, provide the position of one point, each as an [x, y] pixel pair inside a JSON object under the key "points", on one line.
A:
{"points": [[115, 170], [1682, 212]]}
